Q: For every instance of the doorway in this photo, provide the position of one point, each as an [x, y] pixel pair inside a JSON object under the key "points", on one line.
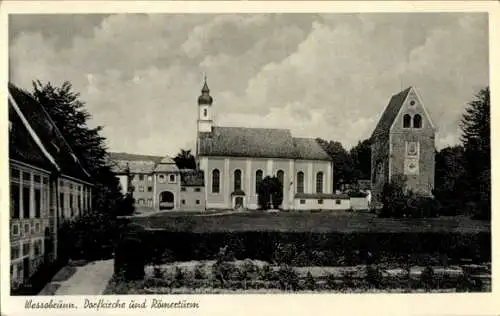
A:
{"points": [[166, 200]]}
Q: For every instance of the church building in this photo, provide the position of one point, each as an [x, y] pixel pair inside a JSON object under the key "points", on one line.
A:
{"points": [[403, 146], [235, 159]]}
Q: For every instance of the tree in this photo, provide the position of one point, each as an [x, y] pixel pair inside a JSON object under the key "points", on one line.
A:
{"points": [[71, 117], [475, 125], [343, 167], [270, 193], [185, 160], [361, 157], [94, 230], [450, 179]]}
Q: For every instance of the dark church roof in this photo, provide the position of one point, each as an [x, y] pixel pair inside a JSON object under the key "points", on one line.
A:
{"points": [[390, 113], [259, 143], [50, 138]]}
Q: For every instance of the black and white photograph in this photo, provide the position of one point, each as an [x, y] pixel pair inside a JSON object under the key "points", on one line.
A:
{"points": [[248, 153]]}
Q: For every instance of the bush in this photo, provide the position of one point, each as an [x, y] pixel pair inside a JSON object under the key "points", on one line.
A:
{"points": [[323, 248], [427, 278], [374, 276], [126, 206], [199, 271], [179, 277], [309, 282], [130, 259], [266, 273], [421, 207], [90, 236], [287, 278], [270, 190]]}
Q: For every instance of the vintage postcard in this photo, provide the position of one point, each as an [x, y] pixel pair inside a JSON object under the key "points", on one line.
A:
{"points": [[248, 157]]}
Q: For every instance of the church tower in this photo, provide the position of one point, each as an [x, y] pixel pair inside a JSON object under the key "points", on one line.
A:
{"points": [[205, 121]]}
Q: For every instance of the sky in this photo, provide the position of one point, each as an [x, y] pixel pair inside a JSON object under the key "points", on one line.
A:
{"points": [[319, 75]]}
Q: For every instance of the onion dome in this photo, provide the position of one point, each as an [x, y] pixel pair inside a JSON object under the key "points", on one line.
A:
{"points": [[205, 97]]}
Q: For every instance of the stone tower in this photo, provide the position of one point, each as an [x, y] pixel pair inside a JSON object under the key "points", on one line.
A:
{"points": [[403, 146]]}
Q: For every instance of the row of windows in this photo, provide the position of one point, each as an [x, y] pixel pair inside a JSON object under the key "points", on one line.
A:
{"points": [[143, 202], [183, 189], [417, 121], [320, 201], [150, 189], [161, 178], [184, 202], [29, 194], [35, 229], [24, 250], [258, 179]]}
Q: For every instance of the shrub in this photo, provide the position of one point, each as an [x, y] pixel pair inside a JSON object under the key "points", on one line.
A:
{"points": [[285, 254], [125, 206], [374, 276], [421, 206], [266, 273], [427, 278], [357, 194], [331, 282], [199, 271], [269, 190], [158, 273], [90, 236], [309, 282], [129, 259], [179, 277], [287, 278]]}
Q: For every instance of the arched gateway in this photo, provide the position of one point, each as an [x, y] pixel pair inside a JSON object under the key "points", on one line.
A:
{"points": [[166, 200]]}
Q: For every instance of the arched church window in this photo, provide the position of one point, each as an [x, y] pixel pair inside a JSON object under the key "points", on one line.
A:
{"points": [[237, 180], [215, 181], [281, 178], [300, 182], [417, 121], [407, 121], [258, 179], [319, 182]]}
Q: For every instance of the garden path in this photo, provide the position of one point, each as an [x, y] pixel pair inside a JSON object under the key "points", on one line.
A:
{"points": [[90, 279]]}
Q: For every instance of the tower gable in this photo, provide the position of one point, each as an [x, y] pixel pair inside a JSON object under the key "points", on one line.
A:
{"points": [[412, 115]]}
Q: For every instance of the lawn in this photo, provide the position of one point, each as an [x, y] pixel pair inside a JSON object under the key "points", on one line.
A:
{"points": [[307, 222]]}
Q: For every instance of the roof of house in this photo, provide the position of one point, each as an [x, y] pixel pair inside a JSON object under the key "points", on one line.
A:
{"points": [[123, 162], [46, 134], [193, 178], [166, 167], [390, 113], [134, 157], [260, 143]]}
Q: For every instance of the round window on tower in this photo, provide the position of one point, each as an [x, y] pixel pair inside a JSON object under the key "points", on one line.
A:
{"points": [[412, 102]]}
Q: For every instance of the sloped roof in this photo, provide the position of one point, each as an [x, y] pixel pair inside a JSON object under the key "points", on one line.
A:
{"points": [[134, 157], [122, 166], [259, 143], [166, 167], [192, 178], [47, 132], [22, 147], [308, 148], [390, 113]]}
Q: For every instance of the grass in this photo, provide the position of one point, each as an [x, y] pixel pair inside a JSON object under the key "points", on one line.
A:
{"points": [[308, 222]]}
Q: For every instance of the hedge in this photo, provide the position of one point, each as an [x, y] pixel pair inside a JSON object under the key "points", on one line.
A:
{"points": [[327, 249]]}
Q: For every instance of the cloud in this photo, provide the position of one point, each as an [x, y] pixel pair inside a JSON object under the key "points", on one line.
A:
{"points": [[326, 76]]}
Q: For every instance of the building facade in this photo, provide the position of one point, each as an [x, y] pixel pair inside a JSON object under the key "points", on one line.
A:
{"points": [[157, 183], [235, 159], [48, 186], [403, 146]]}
